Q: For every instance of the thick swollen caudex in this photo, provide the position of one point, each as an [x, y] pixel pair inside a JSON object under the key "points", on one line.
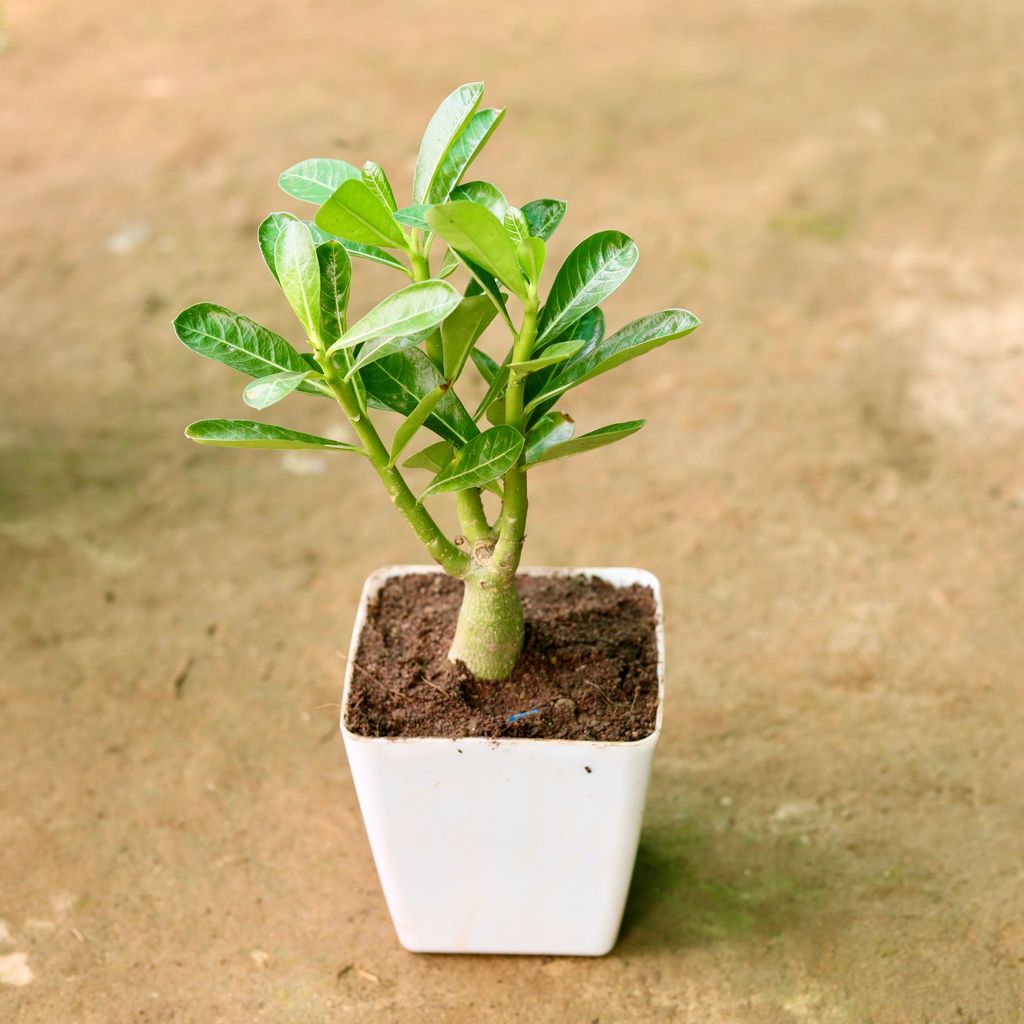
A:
{"points": [[489, 633]]}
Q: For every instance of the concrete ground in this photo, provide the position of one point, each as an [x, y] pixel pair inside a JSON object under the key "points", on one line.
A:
{"points": [[830, 486]]}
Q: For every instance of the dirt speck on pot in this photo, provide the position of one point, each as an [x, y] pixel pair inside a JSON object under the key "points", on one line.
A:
{"points": [[588, 670]]}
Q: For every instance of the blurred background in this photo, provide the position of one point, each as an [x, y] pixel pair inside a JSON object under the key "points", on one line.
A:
{"points": [[830, 486]]}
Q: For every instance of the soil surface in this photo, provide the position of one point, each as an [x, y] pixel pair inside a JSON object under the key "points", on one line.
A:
{"points": [[588, 671], [830, 487]]}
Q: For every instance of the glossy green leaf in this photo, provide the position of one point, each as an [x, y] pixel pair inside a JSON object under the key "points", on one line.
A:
{"points": [[298, 273], [411, 310], [366, 252], [434, 457], [556, 353], [486, 366], [495, 412], [250, 434], [484, 283], [543, 216], [461, 330], [551, 429], [591, 272], [413, 216], [314, 181], [495, 388], [531, 254], [586, 442], [636, 338], [236, 341], [335, 282], [412, 423], [463, 152], [483, 193], [516, 226], [399, 382], [447, 123], [485, 458], [449, 265], [377, 348], [263, 392], [589, 328], [476, 233], [355, 212], [377, 182], [269, 230]]}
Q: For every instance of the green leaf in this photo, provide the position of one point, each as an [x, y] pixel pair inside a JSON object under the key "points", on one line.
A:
{"points": [[485, 458], [475, 232], [556, 353], [487, 367], [461, 330], [531, 253], [250, 434], [483, 193], [378, 348], [495, 388], [496, 412], [373, 254], [449, 265], [298, 273], [314, 181], [591, 272], [448, 122], [515, 225], [366, 252], [636, 338], [263, 392], [434, 457], [377, 182], [543, 216], [355, 212], [413, 216], [589, 328], [407, 430], [399, 382], [411, 310], [484, 283], [586, 442], [236, 341], [269, 230], [335, 282], [551, 429], [463, 152]]}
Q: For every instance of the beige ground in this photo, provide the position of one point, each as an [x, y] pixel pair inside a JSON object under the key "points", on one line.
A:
{"points": [[831, 488]]}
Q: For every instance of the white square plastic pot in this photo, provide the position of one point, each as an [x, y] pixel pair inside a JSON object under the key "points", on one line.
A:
{"points": [[507, 845]]}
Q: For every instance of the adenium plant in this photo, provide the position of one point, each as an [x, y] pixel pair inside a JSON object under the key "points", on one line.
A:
{"points": [[408, 353]]}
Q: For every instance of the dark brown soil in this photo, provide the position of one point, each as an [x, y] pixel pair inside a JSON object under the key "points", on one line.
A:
{"points": [[589, 669]]}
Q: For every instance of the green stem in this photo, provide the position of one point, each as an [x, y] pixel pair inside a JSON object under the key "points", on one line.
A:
{"points": [[512, 525], [442, 550], [490, 630], [472, 517]]}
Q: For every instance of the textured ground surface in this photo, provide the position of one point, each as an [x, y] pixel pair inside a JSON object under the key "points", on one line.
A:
{"points": [[831, 488]]}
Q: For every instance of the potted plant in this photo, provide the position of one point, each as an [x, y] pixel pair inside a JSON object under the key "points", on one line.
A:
{"points": [[500, 757]]}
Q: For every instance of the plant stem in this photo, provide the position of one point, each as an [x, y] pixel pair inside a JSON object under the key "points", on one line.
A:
{"points": [[472, 517], [442, 550], [490, 630], [512, 526]]}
